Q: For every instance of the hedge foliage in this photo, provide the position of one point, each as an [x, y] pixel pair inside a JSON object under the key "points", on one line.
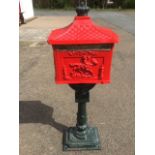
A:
{"points": [[92, 3], [125, 3]]}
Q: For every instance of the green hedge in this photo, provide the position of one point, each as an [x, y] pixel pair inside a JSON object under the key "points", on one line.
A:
{"points": [[129, 4], [71, 3]]}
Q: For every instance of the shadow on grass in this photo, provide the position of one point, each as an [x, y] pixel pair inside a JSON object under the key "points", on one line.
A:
{"points": [[37, 112]]}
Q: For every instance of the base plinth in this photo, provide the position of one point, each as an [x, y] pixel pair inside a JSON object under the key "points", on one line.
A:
{"points": [[90, 142]]}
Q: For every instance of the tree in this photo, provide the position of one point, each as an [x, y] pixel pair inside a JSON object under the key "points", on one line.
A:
{"points": [[72, 3], [103, 3]]}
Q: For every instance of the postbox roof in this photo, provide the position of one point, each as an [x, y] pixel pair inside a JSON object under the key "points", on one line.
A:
{"points": [[82, 31]]}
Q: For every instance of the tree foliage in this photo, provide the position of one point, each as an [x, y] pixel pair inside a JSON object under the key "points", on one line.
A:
{"points": [[91, 3]]}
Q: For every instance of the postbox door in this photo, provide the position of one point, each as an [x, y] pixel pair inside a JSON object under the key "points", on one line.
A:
{"points": [[82, 65]]}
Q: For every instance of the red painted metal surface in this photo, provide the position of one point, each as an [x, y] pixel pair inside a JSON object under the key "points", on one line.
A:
{"points": [[82, 31], [82, 65]]}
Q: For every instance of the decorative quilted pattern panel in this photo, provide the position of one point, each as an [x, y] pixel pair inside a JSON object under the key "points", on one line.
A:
{"points": [[82, 31]]}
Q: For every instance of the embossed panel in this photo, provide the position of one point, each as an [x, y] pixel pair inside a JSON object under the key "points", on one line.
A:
{"points": [[82, 31], [82, 67]]}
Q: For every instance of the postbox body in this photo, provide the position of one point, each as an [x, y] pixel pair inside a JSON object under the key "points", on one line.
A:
{"points": [[82, 52]]}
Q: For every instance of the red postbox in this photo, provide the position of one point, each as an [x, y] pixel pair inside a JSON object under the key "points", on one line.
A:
{"points": [[82, 57], [82, 52]]}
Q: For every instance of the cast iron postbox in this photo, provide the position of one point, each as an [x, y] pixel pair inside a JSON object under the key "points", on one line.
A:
{"points": [[82, 52], [82, 57]]}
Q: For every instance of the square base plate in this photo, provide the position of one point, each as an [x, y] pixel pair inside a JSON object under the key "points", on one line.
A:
{"points": [[91, 142]]}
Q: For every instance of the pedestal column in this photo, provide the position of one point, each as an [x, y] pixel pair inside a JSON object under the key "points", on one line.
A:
{"points": [[81, 137]]}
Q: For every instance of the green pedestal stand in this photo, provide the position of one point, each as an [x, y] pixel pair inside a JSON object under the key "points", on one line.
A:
{"points": [[81, 137]]}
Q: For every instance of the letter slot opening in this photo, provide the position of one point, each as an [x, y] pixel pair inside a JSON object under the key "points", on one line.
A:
{"points": [[100, 47]]}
